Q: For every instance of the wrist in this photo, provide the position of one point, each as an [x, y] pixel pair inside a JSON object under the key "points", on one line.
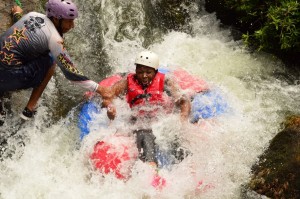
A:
{"points": [[110, 106], [99, 89]]}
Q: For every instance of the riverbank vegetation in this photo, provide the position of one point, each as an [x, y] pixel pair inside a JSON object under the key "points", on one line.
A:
{"points": [[272, 25]]}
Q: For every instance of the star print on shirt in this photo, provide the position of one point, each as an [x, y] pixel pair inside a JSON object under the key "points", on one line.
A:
{"points": [[7, 45], [8, 58], [68, 64], [19, 34]]}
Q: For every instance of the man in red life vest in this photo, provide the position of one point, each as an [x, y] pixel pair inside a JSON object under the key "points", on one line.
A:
{"points": [[147, 89]]}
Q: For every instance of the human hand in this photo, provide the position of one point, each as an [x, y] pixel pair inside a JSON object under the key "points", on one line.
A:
{"points": [[184, 118], [111, 111], [16, 9], [88, 95]]}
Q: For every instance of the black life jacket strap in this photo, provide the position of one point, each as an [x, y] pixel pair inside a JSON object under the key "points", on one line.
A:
{"points": [[140, 96]]}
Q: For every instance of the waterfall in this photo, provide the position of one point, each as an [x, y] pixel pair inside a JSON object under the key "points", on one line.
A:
{"points": [[49, 161]]}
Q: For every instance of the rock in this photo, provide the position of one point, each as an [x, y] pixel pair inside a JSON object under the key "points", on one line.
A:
{"points": [[168, 14], [5, 11], [277, 173], [5, 18]]}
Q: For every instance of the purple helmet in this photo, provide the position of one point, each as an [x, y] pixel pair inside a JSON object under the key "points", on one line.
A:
{"points": [[61, 9]]}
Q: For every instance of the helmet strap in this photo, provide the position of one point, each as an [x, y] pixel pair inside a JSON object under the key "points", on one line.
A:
{"points": [[59, 28]]}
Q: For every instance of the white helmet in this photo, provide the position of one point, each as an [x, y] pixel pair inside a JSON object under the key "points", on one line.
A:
{"points": [[147, 58]]}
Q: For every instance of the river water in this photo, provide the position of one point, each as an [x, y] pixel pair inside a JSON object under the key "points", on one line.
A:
{"points": [[259, 91]]}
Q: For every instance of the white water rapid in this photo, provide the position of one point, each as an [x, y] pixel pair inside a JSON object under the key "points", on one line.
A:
{"points": [[54, 164]]}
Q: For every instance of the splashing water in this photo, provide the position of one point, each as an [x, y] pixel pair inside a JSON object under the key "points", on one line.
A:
{"points": [[51, 162]]}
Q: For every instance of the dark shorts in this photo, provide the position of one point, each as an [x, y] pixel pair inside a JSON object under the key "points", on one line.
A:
{"points": [[145, 141], [149, 151], [27, 76]]}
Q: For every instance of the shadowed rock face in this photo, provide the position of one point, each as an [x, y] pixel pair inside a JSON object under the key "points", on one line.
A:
{"points": [[277, 173], [5, 11], [168, 14], [5, 7]]}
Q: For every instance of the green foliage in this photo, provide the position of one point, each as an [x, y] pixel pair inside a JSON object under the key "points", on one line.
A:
{"points": [[18, 3], [274, 24], [286, 21]]}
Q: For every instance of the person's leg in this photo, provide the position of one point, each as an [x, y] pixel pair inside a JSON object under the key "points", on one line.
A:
{"points": [[139, 143], [37, 92], [35, 74], [39, 73], [146, 145], [149, 146]]}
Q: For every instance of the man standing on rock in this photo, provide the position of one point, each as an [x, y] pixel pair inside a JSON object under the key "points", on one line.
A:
{"points": [[30, 50]]}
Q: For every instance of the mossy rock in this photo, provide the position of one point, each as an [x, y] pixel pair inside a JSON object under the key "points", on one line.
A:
{"points": [[277, 173]]}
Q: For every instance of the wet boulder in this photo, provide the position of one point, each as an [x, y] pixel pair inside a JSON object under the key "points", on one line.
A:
{"points": [[277, 173], [5, 11], [168, 14]]}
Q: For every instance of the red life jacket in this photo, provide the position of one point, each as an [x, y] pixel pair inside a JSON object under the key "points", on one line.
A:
{"points": [[153, 96]]}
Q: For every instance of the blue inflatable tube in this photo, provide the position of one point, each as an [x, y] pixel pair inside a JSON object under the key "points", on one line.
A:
{"points": [[205, 105], [87, 111]]}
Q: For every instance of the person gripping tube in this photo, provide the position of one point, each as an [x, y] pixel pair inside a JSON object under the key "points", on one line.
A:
{"points": [[32, 47], [147, 88]]}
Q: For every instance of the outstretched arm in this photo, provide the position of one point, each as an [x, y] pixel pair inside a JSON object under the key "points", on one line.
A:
{"points": [[109, 93], [181, 100]]}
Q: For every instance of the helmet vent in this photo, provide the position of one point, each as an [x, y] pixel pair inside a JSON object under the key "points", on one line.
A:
{"points": [[61, 9], [147, 58]]}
